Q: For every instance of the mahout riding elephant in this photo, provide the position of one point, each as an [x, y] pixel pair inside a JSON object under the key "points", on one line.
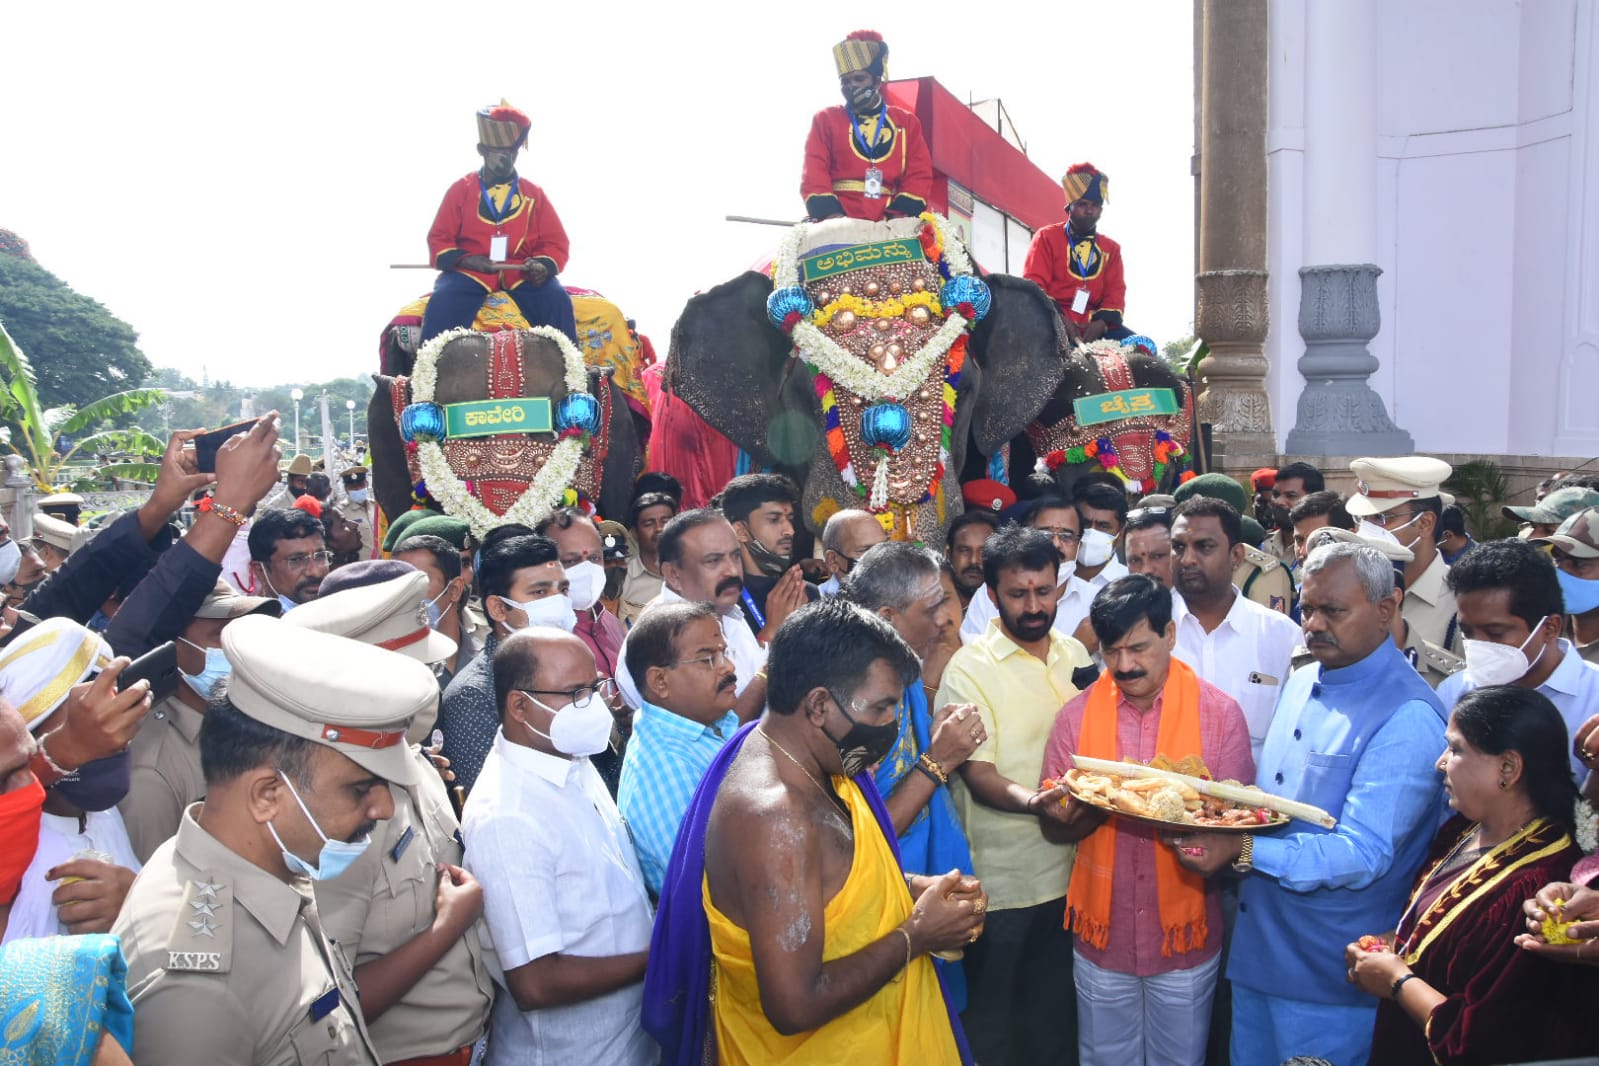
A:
{"points": [[498, 426], [1118, 407], [865, 362]]}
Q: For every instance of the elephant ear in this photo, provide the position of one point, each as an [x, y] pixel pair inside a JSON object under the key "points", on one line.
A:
{"points": [[727, 361], [1021, 346], [391, 478]]}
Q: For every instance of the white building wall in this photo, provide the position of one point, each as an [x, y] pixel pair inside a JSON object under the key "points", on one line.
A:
{"points": [[1487, 222]]}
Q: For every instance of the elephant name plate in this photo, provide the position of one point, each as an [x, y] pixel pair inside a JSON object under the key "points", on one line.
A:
{"points": [[1109, 406], [878, 253], [483, 418]]}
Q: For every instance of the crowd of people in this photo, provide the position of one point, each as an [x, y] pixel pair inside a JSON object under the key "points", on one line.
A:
{"points": [[684, 785], [693, 787]]}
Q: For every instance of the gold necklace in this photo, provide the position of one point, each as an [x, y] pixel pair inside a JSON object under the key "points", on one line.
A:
{"points": [[773, 742]]}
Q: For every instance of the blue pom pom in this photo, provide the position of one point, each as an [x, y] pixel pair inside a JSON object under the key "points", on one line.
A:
{"points": [[966, 289], [886, 425], [422, 422], [1140, 343], [578, 411], [784, 302]]}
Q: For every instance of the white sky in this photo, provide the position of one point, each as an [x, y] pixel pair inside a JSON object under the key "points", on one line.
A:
{"points": [[234, 182]]}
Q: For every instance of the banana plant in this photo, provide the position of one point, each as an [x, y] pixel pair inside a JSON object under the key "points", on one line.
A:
{"points": [[46, 438]]}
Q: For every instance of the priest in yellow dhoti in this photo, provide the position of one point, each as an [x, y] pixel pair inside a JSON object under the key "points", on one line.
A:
{"points": [[787, 932]]}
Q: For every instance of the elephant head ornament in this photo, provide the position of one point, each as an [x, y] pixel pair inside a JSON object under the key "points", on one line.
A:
{"points": [[865, 361]]}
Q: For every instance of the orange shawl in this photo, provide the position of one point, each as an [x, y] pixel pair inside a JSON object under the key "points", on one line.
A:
{"points": [[1181, 894]]}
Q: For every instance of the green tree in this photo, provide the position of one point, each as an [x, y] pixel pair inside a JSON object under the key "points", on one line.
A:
{"points": [[49, 438], [84, 352]]}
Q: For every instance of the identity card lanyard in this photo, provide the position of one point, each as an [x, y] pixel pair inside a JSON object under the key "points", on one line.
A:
{"points": [[874, 173], [755, 612]]}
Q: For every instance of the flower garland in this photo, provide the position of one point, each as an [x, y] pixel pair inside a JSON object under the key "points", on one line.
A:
{"points": [[1168, 452], [893, 307], [547, 489], [827, 356], [1587, 820]]}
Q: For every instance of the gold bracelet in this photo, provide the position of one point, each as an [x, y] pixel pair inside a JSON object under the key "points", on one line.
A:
{"points": [[908, 952], [929, 764]]}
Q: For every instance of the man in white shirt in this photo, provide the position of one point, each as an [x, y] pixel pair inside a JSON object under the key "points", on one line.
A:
{"points": [[702, 562], [1052, 515], [1101, 513], [564, 900], [1231, 641]]}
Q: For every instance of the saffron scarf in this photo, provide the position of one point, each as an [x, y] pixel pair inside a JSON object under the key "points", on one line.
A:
{"points": [[1181, 894], [677, 982]]}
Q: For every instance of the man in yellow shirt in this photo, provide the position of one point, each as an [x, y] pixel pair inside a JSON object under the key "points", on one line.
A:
{"points": [[1019, 674]]}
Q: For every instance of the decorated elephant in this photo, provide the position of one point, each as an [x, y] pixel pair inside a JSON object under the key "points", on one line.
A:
{"points": [[864, 363], [1119, 408], [502, 427]]}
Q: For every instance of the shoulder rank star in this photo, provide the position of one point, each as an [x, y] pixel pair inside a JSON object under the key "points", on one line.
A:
{"points": [[207, 889], [204, 926], [202, 907]]}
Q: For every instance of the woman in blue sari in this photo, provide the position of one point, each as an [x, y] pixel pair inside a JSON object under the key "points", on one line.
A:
{"points": [[64, 1002]]}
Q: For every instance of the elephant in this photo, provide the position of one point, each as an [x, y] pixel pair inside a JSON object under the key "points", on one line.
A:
{"points": [[1147, 449], [731, 360], [507, 364]]}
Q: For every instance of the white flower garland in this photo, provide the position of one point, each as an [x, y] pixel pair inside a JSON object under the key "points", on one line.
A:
{"points": [[832, 359], [1587, 819], [538, 500]]}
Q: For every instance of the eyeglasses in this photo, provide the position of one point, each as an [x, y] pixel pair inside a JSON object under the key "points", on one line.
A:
{"points": [[580, 696], [715, 660], [301, 560], [1065, 536], [1390, 519]]}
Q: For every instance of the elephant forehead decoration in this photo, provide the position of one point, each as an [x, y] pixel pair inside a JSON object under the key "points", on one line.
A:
{"points": [[1135, 432], [501, 427], [880, 313]]}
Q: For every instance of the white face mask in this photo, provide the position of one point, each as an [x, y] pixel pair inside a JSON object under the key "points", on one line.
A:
{"points": [[587, 582], [1381, 533], [578, 729], [1065, 572], [555, 611], [1488, 663], [357, 495], [10, 561], [1094, 547]]}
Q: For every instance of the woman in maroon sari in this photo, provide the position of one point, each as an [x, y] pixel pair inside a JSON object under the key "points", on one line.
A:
{"points": [[1454, 986]]}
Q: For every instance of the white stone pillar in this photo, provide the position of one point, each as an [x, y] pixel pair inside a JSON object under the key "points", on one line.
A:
{"points": [[1339, 413]]}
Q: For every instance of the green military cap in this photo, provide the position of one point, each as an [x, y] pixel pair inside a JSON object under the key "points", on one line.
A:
{"points": [[446, 527], [1216, 487], [396, 531], [1578, 535], [352, 697], [1554, 508]]}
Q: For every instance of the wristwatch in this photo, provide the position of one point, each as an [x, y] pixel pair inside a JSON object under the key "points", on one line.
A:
{"points": [[1246, 855]]}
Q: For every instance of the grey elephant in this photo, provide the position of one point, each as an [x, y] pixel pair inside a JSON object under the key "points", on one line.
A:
{"points": [[867, 364]]}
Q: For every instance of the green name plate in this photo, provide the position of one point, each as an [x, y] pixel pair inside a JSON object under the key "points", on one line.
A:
{"points": [[1128, 403], [483, 418], [856, 256]]}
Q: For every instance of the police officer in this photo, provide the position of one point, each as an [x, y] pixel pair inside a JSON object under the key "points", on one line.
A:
{"points": [[1260, 576], [166, 776], [294, 484], [355, 502], [1404, 495], [228, 961], [405, 912]]}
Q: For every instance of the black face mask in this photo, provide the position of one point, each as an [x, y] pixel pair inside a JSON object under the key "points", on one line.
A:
{"points": [[100, 785], [770, 563], [864, 745]]}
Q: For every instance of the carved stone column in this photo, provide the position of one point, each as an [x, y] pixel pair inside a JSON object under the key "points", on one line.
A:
{"points": [[1339, 414], [1230, 311]]}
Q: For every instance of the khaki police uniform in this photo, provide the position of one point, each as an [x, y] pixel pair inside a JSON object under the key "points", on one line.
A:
{"points": [[166, 776], [1431, 662], [1429, 606], [1387, 484], [388, 895], [228, 961], [1263, 578], [387, 898]]}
